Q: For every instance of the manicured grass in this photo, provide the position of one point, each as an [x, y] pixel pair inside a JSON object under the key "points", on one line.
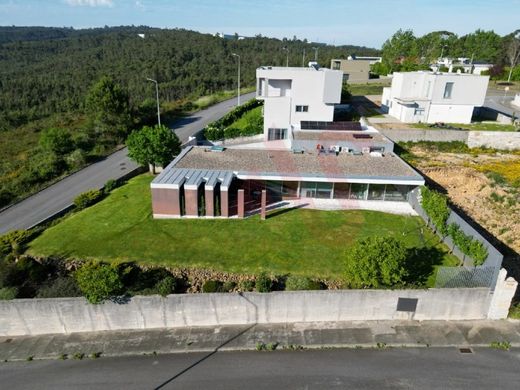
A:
{"points": [[367, 89], [249, 117], [306, 242], [475, 126]]}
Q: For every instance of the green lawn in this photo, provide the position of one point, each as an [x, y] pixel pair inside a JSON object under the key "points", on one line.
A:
{"points": [[367, 89], [475, 126], [250, 116], [307, 242]]}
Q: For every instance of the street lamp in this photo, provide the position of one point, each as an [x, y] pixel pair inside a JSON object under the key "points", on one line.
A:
{"points": [[287, 61], [315, 54], [157, 97], [238, 87], [303, 58]]}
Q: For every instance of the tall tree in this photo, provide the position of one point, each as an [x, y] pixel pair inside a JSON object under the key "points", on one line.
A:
{"points": [[153, 146], [513, 52], [108, 108], [400, 46]]}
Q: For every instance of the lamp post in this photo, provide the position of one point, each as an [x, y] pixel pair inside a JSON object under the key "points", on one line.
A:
{"points": [[303, 58], [315, 54], [238, 83], [157, 97], [287, 59]]}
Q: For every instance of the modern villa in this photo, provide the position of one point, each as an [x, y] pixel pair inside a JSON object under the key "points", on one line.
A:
{"points": [[430, 97], [305, 158]]}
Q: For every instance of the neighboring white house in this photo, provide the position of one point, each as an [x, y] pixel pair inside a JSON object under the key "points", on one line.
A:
{"points": [[292, 95], [469, 66], [431, 97]]}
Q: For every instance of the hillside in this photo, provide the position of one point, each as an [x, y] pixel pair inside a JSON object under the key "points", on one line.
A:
{"points": [[48, 70]]}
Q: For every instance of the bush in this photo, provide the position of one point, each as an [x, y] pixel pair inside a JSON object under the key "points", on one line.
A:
{"points": [[263, 283], [87, 199], [295, 283], [246, 285], [218, 129], [376, 262], [166, 286], [98, 281], [228, 286], [109, 186], [468, 245], [8, 293], [76, 159], [14, 241], [435, 205], [211, 286], [61, 287]]}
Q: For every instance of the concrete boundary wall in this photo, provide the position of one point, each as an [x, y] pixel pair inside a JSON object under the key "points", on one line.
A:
{"points": [[69, 315], [494, 139]]}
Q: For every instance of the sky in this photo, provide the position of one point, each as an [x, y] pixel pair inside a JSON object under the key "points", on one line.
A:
{"points": [[358, 22]]}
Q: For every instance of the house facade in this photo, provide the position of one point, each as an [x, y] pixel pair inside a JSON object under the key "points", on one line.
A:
{"points": [[430, 97], [292, 95], [354, 70]]}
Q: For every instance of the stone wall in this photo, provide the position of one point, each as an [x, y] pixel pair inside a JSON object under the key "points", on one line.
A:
{"points": [[69, 315], [494, 139]]}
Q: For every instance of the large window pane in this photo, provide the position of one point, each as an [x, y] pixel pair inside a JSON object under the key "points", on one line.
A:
{"points": [[376, 192], [396, 193], [323, 190], [308, 189], [358, 191], [290, 188], [341, 190]]}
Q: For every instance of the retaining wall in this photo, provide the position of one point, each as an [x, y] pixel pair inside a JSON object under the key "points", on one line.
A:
{"points": [[415, 135], [494, 139], [68, 315]]}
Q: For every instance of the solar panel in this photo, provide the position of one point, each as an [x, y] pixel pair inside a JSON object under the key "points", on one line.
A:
{"points": [[340, 126], [362, 136]]}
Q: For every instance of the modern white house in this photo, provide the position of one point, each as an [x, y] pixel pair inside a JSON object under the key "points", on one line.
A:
{"points": [[467, 64], [292, 95], [430, 97]]}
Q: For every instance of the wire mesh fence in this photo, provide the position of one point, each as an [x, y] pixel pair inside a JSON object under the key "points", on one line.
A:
{"points": [[454, 277]]}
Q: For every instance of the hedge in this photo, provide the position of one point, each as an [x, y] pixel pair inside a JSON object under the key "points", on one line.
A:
{"points": [[219, 129], [87, 199]]}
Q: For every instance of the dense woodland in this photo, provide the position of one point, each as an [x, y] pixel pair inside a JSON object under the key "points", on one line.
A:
{"points": [[49, 70]]}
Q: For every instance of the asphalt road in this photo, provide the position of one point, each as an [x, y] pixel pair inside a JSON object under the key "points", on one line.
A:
{"points": [[59, 196], [413, 368]]}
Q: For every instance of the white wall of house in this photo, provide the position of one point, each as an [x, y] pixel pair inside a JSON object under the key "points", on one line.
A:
{"points": [[292, 95], [434, 97]]}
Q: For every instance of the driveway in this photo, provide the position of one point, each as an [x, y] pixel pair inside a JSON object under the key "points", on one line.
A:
{"points": [[59, 196]]}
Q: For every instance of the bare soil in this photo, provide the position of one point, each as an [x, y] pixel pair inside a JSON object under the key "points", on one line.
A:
{"points": [[494, 206]]}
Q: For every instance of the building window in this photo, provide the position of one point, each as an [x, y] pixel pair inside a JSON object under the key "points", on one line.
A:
{"points": [[448, 88], [302, 108], [419, 111], [336, 65], [276, 134]]}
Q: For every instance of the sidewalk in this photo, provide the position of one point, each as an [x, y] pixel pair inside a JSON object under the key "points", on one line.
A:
{"points": [[365, 334]]}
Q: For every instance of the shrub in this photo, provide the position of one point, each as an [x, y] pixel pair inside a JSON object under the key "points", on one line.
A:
{"points": [[246, 285], [87, 199], [218, 129], [8, 293], [14, 241], [376, 262], [61, 287], [468, 245], [295, 282], [98, 281], [435, 205], [76, 159], [263, 283], [166, 286], [211, 286], [228, 286], [109, 186]]}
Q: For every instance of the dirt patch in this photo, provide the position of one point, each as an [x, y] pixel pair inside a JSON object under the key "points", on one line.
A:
{"points": [[492, 203]]}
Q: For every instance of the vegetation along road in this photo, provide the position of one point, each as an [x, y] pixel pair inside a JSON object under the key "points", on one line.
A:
{"points": [[59, 196]]}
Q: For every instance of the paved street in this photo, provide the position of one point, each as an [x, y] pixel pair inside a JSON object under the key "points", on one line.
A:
{"points": [[61, 195], [400, 368]]}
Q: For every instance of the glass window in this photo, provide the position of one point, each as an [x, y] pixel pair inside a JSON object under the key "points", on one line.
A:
{"points": [[290, 188], [308, 189], [336, 65], [448, 88], [376, 192], [323, 190], [275, 134], [302, 108], [358, 191], [396, 193], [341, 190]]}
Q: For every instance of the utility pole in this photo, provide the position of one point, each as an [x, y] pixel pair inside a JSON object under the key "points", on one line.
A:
{"points": [[303, 59], [157, 98], [315, 54], [238, 83], [287, 59]]}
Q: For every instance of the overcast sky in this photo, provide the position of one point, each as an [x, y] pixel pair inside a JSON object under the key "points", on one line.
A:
{"points": [[366, 22]]}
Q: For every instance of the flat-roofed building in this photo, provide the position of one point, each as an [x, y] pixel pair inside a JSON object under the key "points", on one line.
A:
{"points": [[354, 70], [431, 97]]}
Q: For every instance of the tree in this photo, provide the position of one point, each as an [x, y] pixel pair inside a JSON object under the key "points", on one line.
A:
{"points": [[376, 262], [98, 281], [401, 45], [108, 108], [57, 141], [153, 146]]}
